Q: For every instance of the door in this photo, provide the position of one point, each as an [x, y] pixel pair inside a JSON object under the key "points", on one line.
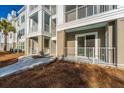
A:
{"points": [[81, 46], [85, 45], [90, 44]]}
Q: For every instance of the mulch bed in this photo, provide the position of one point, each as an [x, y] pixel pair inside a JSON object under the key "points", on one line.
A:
{"points": [[63, 74], [8, 62], [8, 58]]}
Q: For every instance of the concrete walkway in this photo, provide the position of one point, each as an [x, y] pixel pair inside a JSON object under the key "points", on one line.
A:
{"points": [[23, 64]]}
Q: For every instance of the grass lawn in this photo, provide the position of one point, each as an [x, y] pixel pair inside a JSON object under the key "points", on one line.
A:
{"points": [[7, 58], [66, 74]]}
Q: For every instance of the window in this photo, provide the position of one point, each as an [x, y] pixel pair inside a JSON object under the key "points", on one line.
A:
{"points": [[19, 34], [46, 21], [23, 32], [46, 43], [18, 23], [10, 35], [114, 6], [0, 38], [22, 45], [95, 9], [22, 18], [106, 7]]}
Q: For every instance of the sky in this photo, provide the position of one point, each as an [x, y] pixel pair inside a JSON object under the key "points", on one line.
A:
{"points": [[5, 9]]}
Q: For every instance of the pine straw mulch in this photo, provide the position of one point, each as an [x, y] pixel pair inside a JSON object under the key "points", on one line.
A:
{"points": [[7, 58], [66, 74]]}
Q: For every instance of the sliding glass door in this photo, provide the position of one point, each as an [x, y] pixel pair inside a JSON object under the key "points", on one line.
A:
{"points": [[85, 45]]}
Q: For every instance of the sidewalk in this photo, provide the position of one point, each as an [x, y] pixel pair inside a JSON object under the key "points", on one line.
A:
{"points": [[23, 64]]}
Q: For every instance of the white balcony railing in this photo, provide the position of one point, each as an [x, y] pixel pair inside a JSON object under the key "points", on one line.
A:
{"points": [[34, 28], [90, 54], [70, 15], [87, 10], [46, 28]]}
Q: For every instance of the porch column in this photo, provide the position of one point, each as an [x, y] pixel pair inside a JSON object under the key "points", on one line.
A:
{"points": [[120, 41], [27, 46], [109, 42], [60, 43], [40, 43]]}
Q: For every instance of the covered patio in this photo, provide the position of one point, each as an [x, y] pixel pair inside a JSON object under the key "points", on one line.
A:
{"points": [[94, 43]]}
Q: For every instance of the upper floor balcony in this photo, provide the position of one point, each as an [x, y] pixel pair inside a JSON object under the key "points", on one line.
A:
{"points": [[83, 15], [74, 12], [32, 7], [53, 27], [33, 25]]}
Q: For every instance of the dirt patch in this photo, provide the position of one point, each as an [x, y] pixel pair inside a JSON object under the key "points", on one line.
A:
{"points": [[66, 75], [37, 56], [9, 58], [2, 53]]}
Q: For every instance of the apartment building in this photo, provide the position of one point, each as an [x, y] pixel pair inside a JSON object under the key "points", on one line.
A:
{"points": [[1, 41], [21, 29], [93, 32], [11, 38], [41, 29], [75, 32], [15, 40]]}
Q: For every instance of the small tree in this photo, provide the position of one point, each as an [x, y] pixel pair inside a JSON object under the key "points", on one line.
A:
{"points": [[6, 27]]}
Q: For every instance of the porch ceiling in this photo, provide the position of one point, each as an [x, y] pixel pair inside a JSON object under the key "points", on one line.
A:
{"points": [[98, 25]]}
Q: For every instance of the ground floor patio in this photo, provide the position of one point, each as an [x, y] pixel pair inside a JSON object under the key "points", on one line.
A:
{"points": [[96, 44]]}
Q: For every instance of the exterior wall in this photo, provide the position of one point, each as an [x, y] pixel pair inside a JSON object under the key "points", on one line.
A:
{"points": [[120, 42], [27, 46], [1, 41], [1, 46], [60, 43], [21, 26], [70, 39], [53, 48], [40, 43]]}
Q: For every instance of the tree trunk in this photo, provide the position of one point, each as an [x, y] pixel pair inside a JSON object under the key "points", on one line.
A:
{"points": [[5, 42]]}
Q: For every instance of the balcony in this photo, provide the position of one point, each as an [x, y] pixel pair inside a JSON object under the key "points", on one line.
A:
{"points": [[46, 30], [53, 27], [33, 24], [34, 28], [70, 15], [32, 7], [46, 8], [81, 11]]}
